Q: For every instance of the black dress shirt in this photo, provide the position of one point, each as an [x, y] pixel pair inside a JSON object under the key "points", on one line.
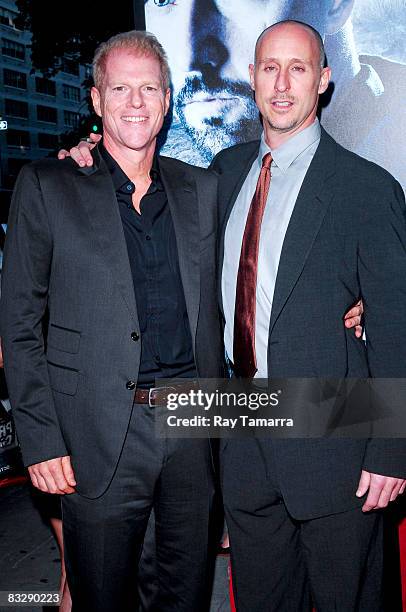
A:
{"points": [[151, 243]]}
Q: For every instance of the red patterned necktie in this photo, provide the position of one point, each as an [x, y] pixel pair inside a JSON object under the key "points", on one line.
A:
{"points": [[244, 359]]}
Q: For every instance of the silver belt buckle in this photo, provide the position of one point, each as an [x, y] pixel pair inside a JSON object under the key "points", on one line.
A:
{"points": [[167, 389], [150, 404]]}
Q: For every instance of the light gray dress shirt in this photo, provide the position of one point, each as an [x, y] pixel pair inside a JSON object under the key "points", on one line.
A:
{"points": [[290, 162]]}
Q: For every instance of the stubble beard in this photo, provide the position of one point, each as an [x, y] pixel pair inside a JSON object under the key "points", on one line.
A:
{"points": [[216, 133]]}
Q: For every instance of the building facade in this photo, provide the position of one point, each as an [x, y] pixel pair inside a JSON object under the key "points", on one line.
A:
{"points": [[37, 109]]}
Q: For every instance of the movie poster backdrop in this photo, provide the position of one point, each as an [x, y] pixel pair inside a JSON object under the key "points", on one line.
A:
{"points": [[211, 42]]}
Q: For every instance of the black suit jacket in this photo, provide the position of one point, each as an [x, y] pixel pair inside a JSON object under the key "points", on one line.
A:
{"points": [[346, 239], [66, 257]]}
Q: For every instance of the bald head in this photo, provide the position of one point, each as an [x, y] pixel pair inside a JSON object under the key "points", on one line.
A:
{"points": [[291, 25], [287, 79]]}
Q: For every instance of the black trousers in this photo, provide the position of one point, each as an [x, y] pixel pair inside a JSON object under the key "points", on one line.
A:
{"points": [[148, 582], [104, 536], [280, 564]]}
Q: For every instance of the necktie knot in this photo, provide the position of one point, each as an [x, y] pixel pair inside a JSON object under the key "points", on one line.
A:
{"points": [[267, 161]]}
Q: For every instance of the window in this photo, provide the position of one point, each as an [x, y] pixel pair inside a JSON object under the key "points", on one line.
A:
{"points": [[18, 138], [47, 113], [13, 49], [71, 93], [71, 119], [16, 108], [7, 17], [48, 141], [12, 78], [70, 66], [45, 86]]}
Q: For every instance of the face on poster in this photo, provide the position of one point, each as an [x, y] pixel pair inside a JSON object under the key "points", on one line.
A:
{"points": [[210, 44]]}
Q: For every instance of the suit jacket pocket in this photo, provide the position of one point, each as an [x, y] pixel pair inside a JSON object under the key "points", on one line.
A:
{"points": [[63, 338], [63, 379]]}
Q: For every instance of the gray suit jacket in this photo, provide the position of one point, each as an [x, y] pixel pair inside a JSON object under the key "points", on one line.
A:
{"points": [[68, 308], [346, 239]]}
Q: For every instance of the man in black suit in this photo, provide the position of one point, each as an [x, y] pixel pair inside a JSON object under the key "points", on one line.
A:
{"points": [[308, 229], [109, 284]]}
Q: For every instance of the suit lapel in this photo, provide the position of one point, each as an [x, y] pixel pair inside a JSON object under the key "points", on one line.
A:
{"points": [[182, 197], [232, 176], [311, 206], [99, 200]]}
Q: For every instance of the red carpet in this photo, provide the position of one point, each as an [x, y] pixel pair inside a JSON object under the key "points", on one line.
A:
{"points": [[232, 602], [14, 480], [402, 546]]}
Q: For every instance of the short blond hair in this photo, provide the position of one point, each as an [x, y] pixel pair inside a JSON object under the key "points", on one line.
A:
{"points": [[141, 43]]}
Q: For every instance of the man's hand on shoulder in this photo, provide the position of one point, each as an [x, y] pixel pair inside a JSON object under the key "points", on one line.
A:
{"points": [[352, 318], [81, 153], [53, 476], [381, 490]]}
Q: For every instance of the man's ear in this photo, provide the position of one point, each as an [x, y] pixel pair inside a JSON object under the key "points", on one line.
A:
{"points": [[251, 69], [94, 92], [338, 15], [324, 80], [167, 100]]}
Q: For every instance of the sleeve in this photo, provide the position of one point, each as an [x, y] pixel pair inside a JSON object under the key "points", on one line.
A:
{"points": [[25, 284], [382, 277]]}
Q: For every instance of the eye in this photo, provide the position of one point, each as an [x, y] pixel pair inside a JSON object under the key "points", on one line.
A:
{"points": [[161, 3], [119, 88], [269, 68], [298, 68]]}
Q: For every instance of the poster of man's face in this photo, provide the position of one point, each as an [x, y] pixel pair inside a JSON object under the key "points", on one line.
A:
{"points": [[210, 44]]}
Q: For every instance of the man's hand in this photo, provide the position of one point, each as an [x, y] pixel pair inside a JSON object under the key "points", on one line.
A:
{"points": [[53, 476], [382, 490], [81, 153], [352, 318]]}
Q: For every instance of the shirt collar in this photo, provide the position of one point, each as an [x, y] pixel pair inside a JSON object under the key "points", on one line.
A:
{"points": [[119, 177], [289, 151]]}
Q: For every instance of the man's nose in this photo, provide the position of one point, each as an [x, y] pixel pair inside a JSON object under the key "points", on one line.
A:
{"points": [[282, 82], [136, 98], [209, 50]]}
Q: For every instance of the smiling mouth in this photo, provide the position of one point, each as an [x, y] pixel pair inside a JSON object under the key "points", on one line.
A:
{"points": [[282, 104], [134, 119]]}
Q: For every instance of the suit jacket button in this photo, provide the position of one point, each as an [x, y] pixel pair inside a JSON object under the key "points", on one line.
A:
{"points": [[135, 336], [130, 385]]}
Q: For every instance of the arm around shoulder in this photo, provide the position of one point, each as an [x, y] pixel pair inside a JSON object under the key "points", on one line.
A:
{"points": [[382, 275]]}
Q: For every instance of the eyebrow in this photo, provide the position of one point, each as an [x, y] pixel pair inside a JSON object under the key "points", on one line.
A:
{"points": [[292, 59]]}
